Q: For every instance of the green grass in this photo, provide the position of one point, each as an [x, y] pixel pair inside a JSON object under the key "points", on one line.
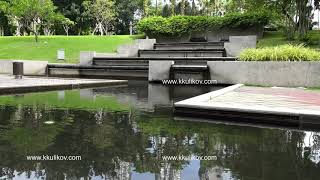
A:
{"points": [[277, 38], [25, 48]]}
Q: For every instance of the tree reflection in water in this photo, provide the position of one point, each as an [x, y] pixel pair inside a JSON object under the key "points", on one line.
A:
{"points": [[118, 141]]}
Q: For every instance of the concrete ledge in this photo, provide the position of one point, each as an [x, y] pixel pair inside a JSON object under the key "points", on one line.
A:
{"points": [[271, 73], [31, 68], [9, 85], [159, 70]]}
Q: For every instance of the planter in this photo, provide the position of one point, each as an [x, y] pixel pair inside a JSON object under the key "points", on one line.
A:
{"points": [[210, 36], [224, 33], [266, 73], [199, 35]]}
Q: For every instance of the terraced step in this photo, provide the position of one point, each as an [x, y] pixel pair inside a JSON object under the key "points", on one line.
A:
{"points": [[186, 72], [183, 53], [110, 72], [120, 62], [132, 61], [189, 46]]}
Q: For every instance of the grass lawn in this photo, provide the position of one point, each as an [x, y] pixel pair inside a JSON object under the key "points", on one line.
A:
{"points": [[25, 48], [274, 38]]}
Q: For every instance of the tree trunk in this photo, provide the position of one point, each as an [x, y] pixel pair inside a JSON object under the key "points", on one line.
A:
{"points": [[173, 6], [36, 36], [1, 31], [183, 6], [101, 29], [303, 18], [95, 29]]}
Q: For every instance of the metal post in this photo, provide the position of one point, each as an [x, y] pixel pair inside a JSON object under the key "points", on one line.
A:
{"points": [[18, 70]]}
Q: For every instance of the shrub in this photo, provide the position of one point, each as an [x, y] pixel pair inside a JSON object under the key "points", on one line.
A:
{"points": [[179, 25], [281, 53]]}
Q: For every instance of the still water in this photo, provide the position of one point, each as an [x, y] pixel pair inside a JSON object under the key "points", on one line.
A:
{"points": [[124, 132]]}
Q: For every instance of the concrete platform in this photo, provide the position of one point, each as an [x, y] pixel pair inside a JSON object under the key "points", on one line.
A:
{"points": [[9, 85], [293, 107]]}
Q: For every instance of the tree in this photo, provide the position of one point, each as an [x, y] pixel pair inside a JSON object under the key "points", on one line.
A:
{"points": [[173, 7], [102, 12], [67, 24], [146, 7], [74, 10], [182, 7], [166, 12], [126, 11], [30, 14]]}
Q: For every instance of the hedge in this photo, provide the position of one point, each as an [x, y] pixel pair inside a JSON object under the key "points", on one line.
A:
{"points": [[179, 25], [280, 53]]}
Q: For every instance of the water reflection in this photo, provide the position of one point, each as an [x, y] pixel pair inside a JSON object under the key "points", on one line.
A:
{"points": [[124, 132]]}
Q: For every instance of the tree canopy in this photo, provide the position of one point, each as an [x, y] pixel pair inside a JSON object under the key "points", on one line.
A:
{"points": [[83, 17]]}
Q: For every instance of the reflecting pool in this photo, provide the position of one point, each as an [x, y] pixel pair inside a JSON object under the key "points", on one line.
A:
{"points": [[125, 132]]}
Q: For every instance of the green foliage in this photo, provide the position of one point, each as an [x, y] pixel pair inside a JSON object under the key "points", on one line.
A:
{"points": [[179, 25], [281, 53]]}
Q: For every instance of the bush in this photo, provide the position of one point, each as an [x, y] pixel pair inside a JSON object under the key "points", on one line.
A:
{"points": [[179, 25], [281, 53]]}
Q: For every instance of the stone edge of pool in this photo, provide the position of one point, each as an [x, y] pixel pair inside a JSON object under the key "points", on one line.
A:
{"points": [[85, 83], [197, 107]]}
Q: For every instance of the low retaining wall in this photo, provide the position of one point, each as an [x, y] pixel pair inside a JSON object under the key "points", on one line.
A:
{"points": [[286, 74], [225, 33], [31, 68], [237, 44]]}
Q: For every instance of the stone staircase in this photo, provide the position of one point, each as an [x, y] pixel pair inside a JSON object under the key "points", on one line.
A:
{"points": [[188, 58]]}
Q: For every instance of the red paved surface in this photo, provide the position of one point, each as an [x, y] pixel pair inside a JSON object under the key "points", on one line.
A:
{"points": [[290, 94]]}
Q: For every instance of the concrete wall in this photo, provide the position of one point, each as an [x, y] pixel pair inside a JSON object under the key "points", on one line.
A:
{"points": [[225, 33], [31, 68], [6, 67], [286, 74], [145, 44], [86, 57], [159, 70], [237, 44], [213, 35]]}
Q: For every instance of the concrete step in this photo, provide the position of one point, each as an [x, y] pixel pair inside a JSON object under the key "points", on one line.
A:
{"points": [[187, 72], [189, 46], [109, 72], [122, 62], [137, 61], [190, 67], [183, 53]]}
